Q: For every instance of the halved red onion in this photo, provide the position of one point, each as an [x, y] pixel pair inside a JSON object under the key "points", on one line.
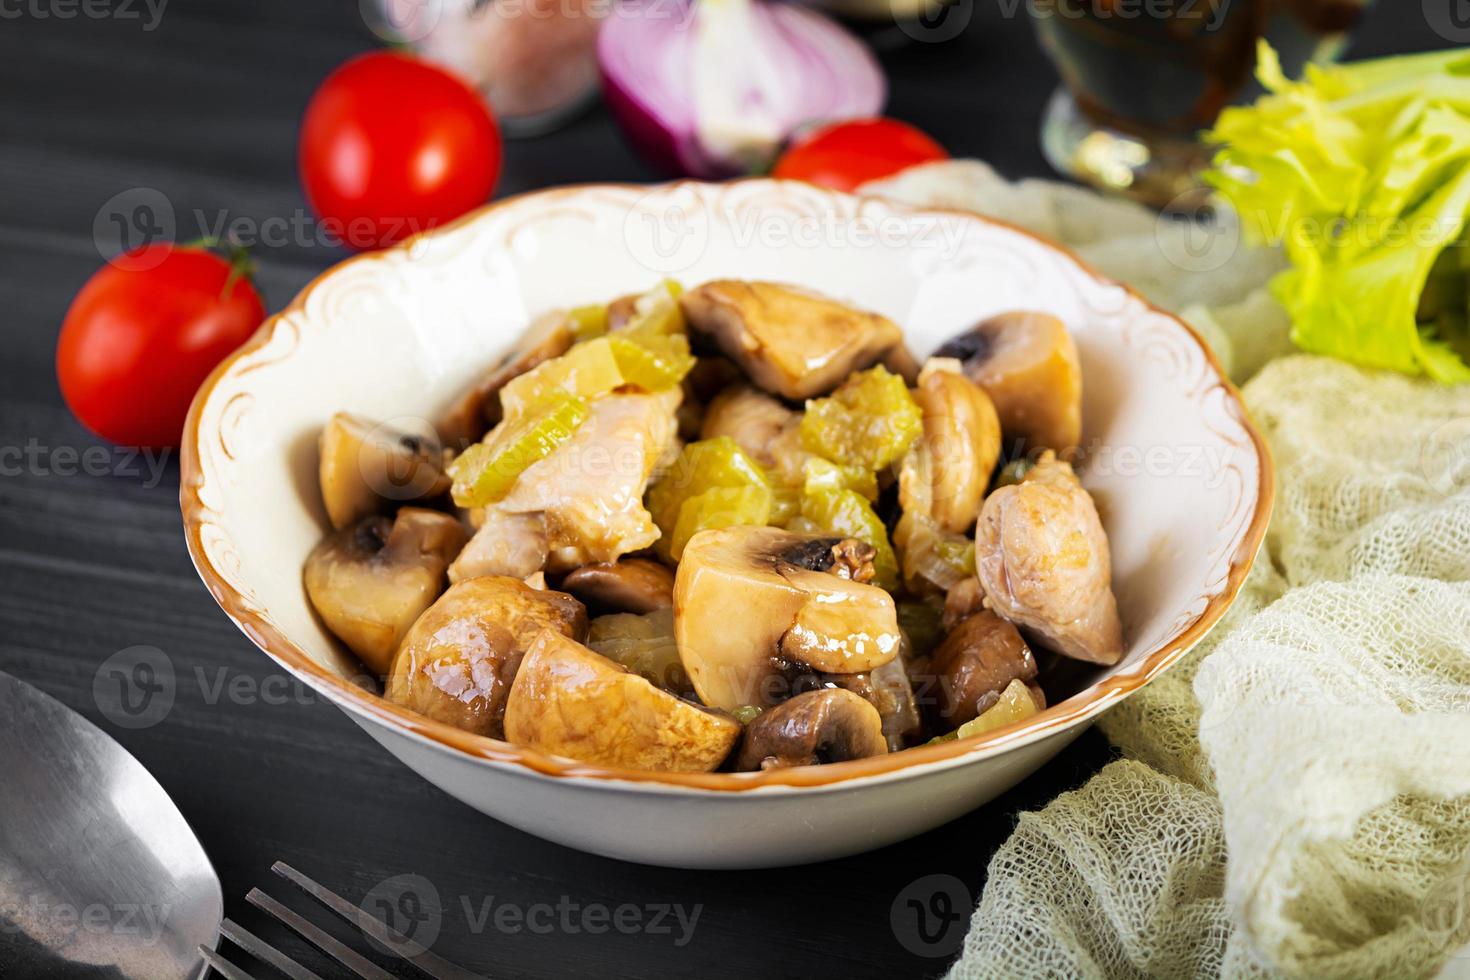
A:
{"points": [[713, 88]]}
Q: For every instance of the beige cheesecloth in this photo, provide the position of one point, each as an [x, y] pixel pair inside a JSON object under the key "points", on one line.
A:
{"points": [[1294, 797]]}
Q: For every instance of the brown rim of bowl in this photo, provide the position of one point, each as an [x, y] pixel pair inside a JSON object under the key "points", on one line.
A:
{"points": [[1056, 718]]}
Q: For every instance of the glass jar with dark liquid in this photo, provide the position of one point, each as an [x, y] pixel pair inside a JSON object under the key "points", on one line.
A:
{"points": [[1142, 78]]}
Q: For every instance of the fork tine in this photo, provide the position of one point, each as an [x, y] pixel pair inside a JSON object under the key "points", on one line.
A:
{"points": [[264, 951], [222, 966], [431, 964], [327, 944]]}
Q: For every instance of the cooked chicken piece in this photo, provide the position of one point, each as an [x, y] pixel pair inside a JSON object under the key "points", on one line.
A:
{"points": [[791, 342], [505, 544], [1042, 558], [752, 418], [761, 426], [588, 494]]}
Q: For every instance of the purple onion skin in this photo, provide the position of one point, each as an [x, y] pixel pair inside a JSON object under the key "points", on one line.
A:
{"points": [[652, 141], [649, 138]]}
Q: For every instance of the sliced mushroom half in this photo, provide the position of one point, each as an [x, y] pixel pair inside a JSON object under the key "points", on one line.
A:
{"points": [[791, 342], [750, 602], [1042, 558], [457, 663], [947, 470], [828, 725], [887, 688], [570, 701], [628, 585], [366, 468], [1027, 363], [370, 581]]}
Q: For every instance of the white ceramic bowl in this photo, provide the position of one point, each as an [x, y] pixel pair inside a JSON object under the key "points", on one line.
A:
{"points": [[1181, 477]]}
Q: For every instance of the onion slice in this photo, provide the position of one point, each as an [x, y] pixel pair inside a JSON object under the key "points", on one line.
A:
{"points": [[713, 88]]}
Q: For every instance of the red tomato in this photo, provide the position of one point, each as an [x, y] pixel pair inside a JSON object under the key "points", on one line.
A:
{"points": [[142, 336], [846, 154], [391, 145]]}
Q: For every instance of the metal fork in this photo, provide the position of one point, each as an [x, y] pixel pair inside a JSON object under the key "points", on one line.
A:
{"points": [[400, 945]]}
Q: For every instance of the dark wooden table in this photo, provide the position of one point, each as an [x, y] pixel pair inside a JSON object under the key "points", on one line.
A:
{"points": [[203, 106]]}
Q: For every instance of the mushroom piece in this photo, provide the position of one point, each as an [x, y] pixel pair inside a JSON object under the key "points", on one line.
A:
{"points": [[1042, 558], [752, 605], [887, 688], [457, 663], [974, 664], [902, 362], [365, 468], [752, 418], [945, 473], [570, 701], [1015, 704], [828, 725], [478, 410], [630, 585], [791, 342], [370, 581], [1027, 363]]}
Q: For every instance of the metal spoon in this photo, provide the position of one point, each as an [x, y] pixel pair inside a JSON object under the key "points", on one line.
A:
{"points": [[99, 874]]}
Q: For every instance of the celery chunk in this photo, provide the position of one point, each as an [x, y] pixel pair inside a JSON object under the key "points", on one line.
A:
{"points": [[868, 422], [485, 472], [720, 507], [848, 514], [703, 466]]}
